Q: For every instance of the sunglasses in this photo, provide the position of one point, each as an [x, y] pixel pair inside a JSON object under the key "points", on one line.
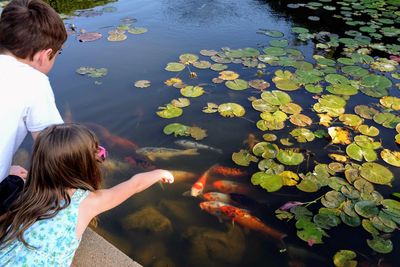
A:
{"points": [[102, 153]]}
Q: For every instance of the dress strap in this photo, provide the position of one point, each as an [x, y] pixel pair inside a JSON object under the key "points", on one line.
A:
{"points": [[79, 195]]}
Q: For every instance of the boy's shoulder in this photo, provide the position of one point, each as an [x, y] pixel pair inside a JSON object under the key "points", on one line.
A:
{"points": [[12, 68]]}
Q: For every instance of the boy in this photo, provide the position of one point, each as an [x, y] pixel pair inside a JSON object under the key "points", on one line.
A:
{"points": [[31, 37]]}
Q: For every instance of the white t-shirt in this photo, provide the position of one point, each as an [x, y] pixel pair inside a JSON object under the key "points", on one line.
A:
{"points": [[26, 104]]}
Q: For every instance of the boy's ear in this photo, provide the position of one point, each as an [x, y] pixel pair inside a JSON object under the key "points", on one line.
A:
{"points": [[43, 56]]}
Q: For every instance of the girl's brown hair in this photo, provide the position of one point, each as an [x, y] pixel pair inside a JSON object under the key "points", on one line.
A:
{"points": [[64, 157], [29, 26]]}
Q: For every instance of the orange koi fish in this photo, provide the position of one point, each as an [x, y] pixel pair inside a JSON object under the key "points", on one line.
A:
{"points": [[214, 208], [245, 219], [198, 186], [217, 196], [228, 187], [226, 171]]}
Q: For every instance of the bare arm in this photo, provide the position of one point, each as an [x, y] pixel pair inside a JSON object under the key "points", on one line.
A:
{"points": [[103, 200]]}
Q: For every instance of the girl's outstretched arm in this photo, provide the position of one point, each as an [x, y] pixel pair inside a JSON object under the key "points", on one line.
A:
{"points": [[105, 199]]}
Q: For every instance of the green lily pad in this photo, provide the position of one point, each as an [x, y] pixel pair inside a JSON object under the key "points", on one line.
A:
{"points": [[137, 30], [175, 67], [231, 110], [262, 105], [299, 30], [276, 97], [314, 89], [266, 150], [259, 84], [92, 72], [358, 153], [390, 102], [218, 67], [279, 43], [289, 157], [391, 157], [243, 158], [210, 108], [366, 209], [177, 129], [285, 80], [302, 135], [202, 64], [269, 137], [180, 102], [274, 51], [169, 111], [387, 119], [309, 232], [345, 258], [376, 173], [237, 84], [351, 120], [380, 245], [271, 33], [192, 91], [270, 182], [188, 58], [291, 108], [355, 71], [368, 130], [365, 111]]}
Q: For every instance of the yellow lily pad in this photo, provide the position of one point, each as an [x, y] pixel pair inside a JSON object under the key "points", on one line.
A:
{"points": [[391, 157], [376, 173], [231, 110], [228, 75], [339, 135], [391, 102]]}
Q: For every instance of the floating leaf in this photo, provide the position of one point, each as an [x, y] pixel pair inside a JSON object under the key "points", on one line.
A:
{"points": [[309, 232], [269, 137], [279, 43], [137, 30], [360, 153], [237, 84], [366, 209], [218, 67], [180, 102], [197, 133], [266, 150], [339, 135], [259, 84], [302, 135], [174, 66], [117, 37], [365, 111], [345, 258], [271, 33], [285, 80], [276, 97], [351, 120], [169, 111], [270, 182], [391, 157], [300, 120], [177, 129], [173, 81], [291, 108], [368, 130], [188, 58], [208, 53], [289, 157], [228, 75], [289, 178], [391, 102], [202, 64], [380, 245], [142, 83], [243, 158], [89, 36], [192, 91], [231, 110], [376, 173], [211, 108], [92, 72]]}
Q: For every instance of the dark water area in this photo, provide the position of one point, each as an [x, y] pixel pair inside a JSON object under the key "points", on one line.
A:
{"points": [[116, 107]]}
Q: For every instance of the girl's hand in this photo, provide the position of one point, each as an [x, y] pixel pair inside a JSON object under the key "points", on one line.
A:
{"points": [[166, 176]]}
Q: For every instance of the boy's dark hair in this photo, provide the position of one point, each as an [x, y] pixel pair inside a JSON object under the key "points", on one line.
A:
{"points": [[29, 26]]}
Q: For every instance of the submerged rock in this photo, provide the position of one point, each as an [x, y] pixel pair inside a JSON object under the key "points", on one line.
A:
{"points": [[215, 248], [148, 219], [150, 253], [178, 210]]}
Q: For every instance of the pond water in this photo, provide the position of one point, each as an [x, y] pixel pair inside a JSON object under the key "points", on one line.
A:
{"points": [[124, 116]]}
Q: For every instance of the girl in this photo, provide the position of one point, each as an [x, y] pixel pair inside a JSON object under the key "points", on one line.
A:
{"points": [[62, 195]]}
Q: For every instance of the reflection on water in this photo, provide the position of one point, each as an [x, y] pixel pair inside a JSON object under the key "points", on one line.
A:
{"points": [[69, 6]]}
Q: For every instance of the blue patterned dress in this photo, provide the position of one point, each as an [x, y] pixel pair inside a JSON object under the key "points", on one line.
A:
{"points": [[55, 240]]}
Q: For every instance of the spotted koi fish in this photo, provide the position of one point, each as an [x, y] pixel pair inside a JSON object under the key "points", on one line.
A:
{"points": [[226, 171], [245, 219], [227, 187], [198, 186], [217, 196]]}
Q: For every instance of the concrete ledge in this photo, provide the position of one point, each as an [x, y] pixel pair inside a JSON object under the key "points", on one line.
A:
{"points": [[95, 251]]}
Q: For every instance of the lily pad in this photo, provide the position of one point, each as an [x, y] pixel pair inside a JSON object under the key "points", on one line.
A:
{"points": [[243, 158], [210, 108], [169, 111], [276, 97], [285, 80], [376, 173], [237, 84], [188, 58], [192, 91], [259, 84], [359, 153], [228, 75], [302, 135], [231, 110], [368, 130], [142, 84], [366, 209], [137, 30], [289, 157], [89, 36], [202, 64], [270, 182], [177, 129], [175, 67], [391, 157], [345, 258], [380, 245]]}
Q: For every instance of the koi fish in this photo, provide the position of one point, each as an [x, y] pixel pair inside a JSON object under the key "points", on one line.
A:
{"points": [[191, 144], [227, 187], [154, 153], [217, 196], [226, 171], [247, 220], [198, 186], [214, 208]]}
